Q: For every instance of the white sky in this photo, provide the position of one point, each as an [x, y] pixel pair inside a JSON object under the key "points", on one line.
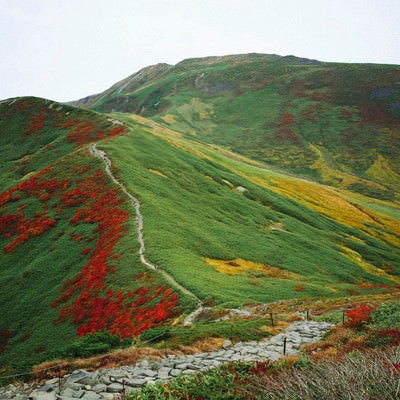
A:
{"points": [[67, 49]]}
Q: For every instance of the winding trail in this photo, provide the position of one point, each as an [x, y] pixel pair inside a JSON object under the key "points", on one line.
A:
{"points": [[139, 222]]}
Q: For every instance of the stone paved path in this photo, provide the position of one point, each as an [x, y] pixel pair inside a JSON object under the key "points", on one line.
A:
{"points": [[107, 384]]}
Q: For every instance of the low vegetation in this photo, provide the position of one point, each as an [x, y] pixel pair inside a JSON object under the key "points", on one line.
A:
{"points": [[352, 362], [226, 159]]}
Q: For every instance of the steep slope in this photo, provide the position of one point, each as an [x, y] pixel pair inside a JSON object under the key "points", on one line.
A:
{"points": [[229, 213], [69, 250], [337, 123]]}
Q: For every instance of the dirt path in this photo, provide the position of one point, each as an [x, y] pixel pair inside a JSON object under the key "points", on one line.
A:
{"points": [[139, 222]]}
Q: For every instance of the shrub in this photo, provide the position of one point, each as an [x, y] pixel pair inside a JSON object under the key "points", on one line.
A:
{"points": [[386, 316], [359, 376], [155, 334], [359, 315], [92, 344], [335, 317]]}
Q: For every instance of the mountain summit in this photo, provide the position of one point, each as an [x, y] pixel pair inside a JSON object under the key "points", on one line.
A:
{"points": [[336, 123]]}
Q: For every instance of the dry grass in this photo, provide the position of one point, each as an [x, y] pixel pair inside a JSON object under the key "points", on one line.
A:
{"points": [[130, 356], [113, 359], [371, 269], [169, 119], [154, 171], [322, 306], [237, 266], [372, 375], [202, 346]]}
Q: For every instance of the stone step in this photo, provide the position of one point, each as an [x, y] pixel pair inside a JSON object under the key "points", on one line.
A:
{"points": [[108, 383]]}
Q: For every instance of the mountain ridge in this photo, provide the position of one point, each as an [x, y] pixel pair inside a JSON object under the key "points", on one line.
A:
{"points": [[295, 108], [255, 186]]}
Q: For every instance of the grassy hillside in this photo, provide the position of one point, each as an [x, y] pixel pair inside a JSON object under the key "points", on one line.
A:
{"points": [[233, 205], [69, 258], [228, 210], [337, 123]]}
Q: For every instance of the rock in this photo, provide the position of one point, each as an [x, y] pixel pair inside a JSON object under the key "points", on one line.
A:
{"points": [[115, 388], [163, 373], [116, 376], [136, 382], [100, 387], [46, 388], [78, 394], [149, 372], [67, 393], [73, 385], [89, 395], [181, 366], [107, 396], [175, 372], [156, 366], [105, 380], [79, 376], [20, 397], [40, 395], [52, 382], [188, 371]]}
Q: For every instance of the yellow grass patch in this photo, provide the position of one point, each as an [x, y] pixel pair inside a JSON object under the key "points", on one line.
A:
{"points": [[366, 266], [148, 123], [329, 174], [382, 170], [169, 119], [237, 266], [154, 171], [333, 203], [198, 114], [332, 288]]}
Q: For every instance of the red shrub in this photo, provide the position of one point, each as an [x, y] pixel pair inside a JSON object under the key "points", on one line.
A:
{"points": [[359, 315], [87, 301]]}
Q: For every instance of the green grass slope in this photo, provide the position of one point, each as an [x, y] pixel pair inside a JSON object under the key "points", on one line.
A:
{"points": [[201, 206], [337, 123], [69, 262], [222, 222]]}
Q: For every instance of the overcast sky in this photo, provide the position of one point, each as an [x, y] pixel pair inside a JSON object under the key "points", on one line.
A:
{"points": [[67, 49]]}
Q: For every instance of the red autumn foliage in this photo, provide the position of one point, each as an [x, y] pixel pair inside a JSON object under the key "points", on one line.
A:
{"points": [[5, 335], [86, 132], [375, 114], [19, 225], [36, 123], [117, 130], [285, 132], [358, 315], [287, 119], [345, 114], [86, 300], [86, 250], [80, 130]]}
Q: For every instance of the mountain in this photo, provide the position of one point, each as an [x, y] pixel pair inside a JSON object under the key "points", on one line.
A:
{"points": [[204, 182], [335, 123]]}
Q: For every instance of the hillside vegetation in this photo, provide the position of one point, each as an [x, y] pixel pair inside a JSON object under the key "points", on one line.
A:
{"points": [[337, 123], [245, 199]]}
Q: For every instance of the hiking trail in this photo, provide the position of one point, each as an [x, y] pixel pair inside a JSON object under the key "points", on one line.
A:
{"points": [[139, 222]]}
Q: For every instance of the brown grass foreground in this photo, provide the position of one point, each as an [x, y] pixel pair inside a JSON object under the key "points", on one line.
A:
{"points": [[360, 375], [283, 311], [117, 358]]}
